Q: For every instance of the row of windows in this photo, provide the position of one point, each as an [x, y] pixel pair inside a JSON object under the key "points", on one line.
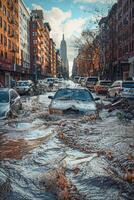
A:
{"points": [[11, 7], [5, 55], [7, 42], [126, 49], [7, 28]]}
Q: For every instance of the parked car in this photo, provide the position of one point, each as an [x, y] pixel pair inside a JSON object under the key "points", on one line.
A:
{"points": [[123, 89], [102, 86], [76, 79], [91, 82], [10, 102], [81, 79], [49, 81], [69, 100], [25, 87], [13, 83]]}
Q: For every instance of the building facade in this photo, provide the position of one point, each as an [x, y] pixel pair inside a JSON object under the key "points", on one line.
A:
{"points": [[125, 30], [37, 44], [63, 53], [9, 41], [47, 30], [53, 70], [117, 41], [24, 51]]}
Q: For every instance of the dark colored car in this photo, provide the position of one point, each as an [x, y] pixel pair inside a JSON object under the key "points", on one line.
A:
{"points": [[91, 82], [25, 87], [10, 102], [77, 100]]}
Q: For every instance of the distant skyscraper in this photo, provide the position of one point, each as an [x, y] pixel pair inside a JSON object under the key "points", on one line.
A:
{"points": [[63, 53]]}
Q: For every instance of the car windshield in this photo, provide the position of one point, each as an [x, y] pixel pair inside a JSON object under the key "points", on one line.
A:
{"points": [[128, 84], [73, 94], [94, 79], [50, 80], [23, 83], [76, 78], [4, 97], [106, 83]]}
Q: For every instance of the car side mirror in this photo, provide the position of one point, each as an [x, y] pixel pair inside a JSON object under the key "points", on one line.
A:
{"points": [[97, 99], [50, 97]]}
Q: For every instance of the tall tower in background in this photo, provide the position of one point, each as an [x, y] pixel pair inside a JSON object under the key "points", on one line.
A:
{"points": [[63, 53]]}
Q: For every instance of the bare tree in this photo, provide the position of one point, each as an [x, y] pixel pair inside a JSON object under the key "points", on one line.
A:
{"points": [[88, 47]]}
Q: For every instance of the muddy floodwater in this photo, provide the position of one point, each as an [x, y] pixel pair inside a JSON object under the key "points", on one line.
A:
{"points": [[65, 157]]}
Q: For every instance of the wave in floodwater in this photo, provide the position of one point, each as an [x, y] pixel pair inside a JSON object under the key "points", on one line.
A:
{"points": [[97, 155]]}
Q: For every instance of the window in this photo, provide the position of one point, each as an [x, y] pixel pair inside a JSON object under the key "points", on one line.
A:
{"points": [[0, 4], [4, 10], [34, 33], [35, 41], [1, 39], [132, 28], [5, 40], [5, 26], [132, 12], [34, 25], [0, 22], [5, 55], [9, 44], [35, 50], [9, 30], [1, 54]]}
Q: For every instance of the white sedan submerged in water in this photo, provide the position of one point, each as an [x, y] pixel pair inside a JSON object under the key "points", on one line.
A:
{"points": [[77, 100]]}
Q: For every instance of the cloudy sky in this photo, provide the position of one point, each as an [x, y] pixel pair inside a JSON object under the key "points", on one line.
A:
{"points": [[69, 17]]}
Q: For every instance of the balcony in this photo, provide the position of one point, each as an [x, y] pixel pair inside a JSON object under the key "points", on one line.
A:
{"points": [[14, 22], [10, 4]]}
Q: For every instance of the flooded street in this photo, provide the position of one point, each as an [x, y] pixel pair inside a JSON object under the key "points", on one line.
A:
{"points": [[41, 156]]}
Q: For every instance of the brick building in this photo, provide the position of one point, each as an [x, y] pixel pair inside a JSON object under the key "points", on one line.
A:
{"points": [[125, 30], [37, 44], [24, 43], [9, 41], [52, 71], [117, 43], [111, 46], [47, 30]]}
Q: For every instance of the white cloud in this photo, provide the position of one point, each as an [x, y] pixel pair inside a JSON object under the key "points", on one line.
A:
{"points": [[84, 1], [61, 22], [94, 1]]}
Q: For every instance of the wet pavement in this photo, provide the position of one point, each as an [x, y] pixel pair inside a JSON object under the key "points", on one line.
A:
{"points": [[65, 157]]}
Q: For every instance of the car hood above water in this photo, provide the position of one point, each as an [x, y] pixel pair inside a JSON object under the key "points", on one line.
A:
{"points": [[4, 108], [82, 106]]}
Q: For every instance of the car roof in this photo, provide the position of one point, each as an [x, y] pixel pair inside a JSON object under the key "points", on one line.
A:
{"points": [[105, 81], [74, 87], [5, 89], [24, 81], [128, 82]]}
